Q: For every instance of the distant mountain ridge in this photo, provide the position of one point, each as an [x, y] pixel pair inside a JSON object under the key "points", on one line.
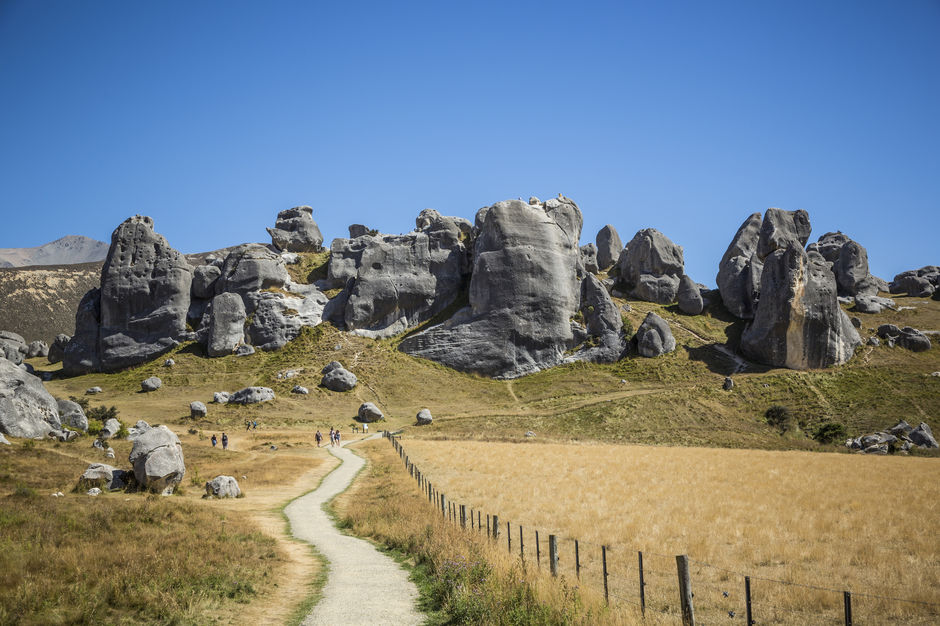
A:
{"points": [[65, 251]]}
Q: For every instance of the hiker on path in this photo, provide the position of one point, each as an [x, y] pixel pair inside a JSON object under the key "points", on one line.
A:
{"points": [[224, 441], [319, 437], [365, 428], [337, 437], [254, 425], [247, 424], [214, 440]]}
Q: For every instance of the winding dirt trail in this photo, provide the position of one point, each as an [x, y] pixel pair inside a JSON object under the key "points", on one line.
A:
{"points": [[364, 586]]}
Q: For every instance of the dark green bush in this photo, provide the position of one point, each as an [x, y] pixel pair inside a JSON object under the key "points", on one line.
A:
{"points": [[827, 432], [780, 417]]}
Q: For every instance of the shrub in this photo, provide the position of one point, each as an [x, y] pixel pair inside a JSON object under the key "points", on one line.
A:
{"points": [[100, 413], [781, 418], [82, 402], [122, 432], [94, 427], [827, 432]]}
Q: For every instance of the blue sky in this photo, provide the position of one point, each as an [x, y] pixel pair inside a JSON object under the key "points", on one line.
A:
{"points": [[684, 116]]}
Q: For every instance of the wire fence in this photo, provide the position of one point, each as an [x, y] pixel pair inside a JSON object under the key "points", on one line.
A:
{"points": [[689, 590]]}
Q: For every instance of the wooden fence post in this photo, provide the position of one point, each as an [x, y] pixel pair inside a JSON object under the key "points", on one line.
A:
{"points": [[443, 506], [604, 564], [553, 555], [488, 532], [538, 550], [577, 560], [847, 600], [479, 526], [685, 590], [496, 527], [642, 585], [521, 545], [747, 600], [463, 516], [508, 538]]}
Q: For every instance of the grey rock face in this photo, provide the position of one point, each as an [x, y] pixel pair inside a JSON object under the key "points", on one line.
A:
{"points": [[151, 384], [223, 487], [690, 296], [332, 365], [360, 230], [798, 323], [37, 348], [295, 231], [849, 264], [920, 283], [278, 318], [368, 412], [298, 389], [81, 353], [220, 397], [728, 385], [523, 293], [781, 228], [872, 304], [589, 258], [169, 363], [424, 417], [906, 337], [144, 298], [603, 322], [72, 415], [244, 350], [110, 429], [339, 379], [651, 266], [608, 247], [12, 347], [654, 337], [93, 390], [204, 277], [740, 270], [26, 408], [197, 410], [395, 282], [923, 436], [157, 457], [57, 349], [223, 326], [137, 430], [250, 268], [99, 475], [252, 395]]}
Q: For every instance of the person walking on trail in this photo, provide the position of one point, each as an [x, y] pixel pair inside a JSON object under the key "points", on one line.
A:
{"points": [[224, 441], [254, 425], [365, 429], [247, 424], [319, 438], [337, 437], [214, 440]]}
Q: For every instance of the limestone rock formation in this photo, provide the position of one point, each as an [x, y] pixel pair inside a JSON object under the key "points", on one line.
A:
{"points": [[650, 267], [524, 291], [368, 412], [603, 323], [295, 231], [36, 349], [223, 487], [110, 428], [26, 408], [608, 247], [849, 264], [338, 378], [223, 325], [395, 282], [251, 268], [589, 258], [780, 229], [151, 384], [798, 322], [197, 409], [72, 415], [920, 283], [204, 277], [279, 317], [103, 476], [654, 337], [140, 310], [252, 395], [57, 349], [740, 270], [907, 337], [690, 296], [424, 417], [13, 347], [157, 457]]}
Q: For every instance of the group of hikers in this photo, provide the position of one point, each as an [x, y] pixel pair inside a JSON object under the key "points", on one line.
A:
{"points": [[335, 437], [215, 441]]}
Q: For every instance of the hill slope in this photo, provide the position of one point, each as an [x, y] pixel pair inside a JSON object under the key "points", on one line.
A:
{"points": [[65, 251]]}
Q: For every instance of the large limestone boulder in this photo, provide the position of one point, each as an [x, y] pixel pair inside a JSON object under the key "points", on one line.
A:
{"points": [[368, 412], [608, 247], [197, 409], [204, 278], [36, 349], [223, 487], [250, 268], [339, 379], [150, 384], [424, 417], [103, 476], [26, 409], [739, 270], [395, 282], [278, 317], [589, 258], [157, 457], [251, 395], [110, 428], [849, 264], [654, 337], [907, 337], [780, 229], [920, 283], [798, 322], [57, 349], [13, 347], [295, 231], [603, 323], [690, 296], [650, 267], [922, 436], [142, 303], [223, 325], [72, 415], [524, 291]]}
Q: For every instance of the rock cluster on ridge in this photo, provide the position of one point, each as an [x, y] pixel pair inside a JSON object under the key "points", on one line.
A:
{"points": [[650, 267], [295, 231]]}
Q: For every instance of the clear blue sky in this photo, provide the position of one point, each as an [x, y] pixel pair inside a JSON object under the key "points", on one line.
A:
{"points": [[684, 116]]}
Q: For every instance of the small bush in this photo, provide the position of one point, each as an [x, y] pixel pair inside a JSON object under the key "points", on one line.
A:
{"points": [[101, 413], [82, 402], [627, 326], [94, 427], [122, 432], [781, 418], [827, 432]]}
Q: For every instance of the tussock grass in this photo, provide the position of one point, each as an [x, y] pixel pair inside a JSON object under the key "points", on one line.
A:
{"points": [[852, 522]]}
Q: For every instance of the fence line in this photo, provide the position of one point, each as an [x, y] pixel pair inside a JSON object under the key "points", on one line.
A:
{"points": [[733, 597]]}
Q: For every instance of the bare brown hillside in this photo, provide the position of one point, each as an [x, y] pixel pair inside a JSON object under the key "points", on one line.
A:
{"points": [[39, 302]]}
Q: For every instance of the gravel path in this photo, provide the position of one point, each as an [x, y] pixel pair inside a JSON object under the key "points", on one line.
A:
{"points": [[364, 586]]}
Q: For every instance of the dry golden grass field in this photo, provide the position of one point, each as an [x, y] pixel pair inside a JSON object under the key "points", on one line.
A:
{"points": [[844, 522]]}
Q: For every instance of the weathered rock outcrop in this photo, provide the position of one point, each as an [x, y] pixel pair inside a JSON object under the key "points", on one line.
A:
{"points": [[26, 408], [12, 347], [157, 457], [37, 348], [780, 229], [140, 310], [57, 349], [197, 409], [251, 395], [907, 337], [223, 487], [395, 282], [798, 322], [849, 264], [650, 267], [690, 296], [740, 270], [589, 258], [603, 322], [368, 412], [278, 317], [338, 378], [204, 278], [424, 417], [654, 337], [920, 283], [251, 268], [223, 325], [608, 247], [72, 415], [523, 293], [150, 384], [103, 476], [295, 231]]}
